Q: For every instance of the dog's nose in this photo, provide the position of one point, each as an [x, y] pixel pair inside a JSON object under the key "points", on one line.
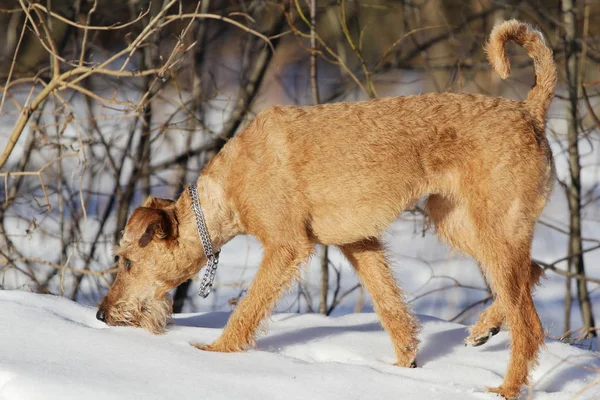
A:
{"points": [[101, 315]]}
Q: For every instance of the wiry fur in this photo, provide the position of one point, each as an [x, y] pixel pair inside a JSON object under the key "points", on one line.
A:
{"points": [[339, 174], [539, 98], [150, 314]]}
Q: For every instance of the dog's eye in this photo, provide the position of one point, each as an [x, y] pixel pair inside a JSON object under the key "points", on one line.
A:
{"points": [[127, 265]]}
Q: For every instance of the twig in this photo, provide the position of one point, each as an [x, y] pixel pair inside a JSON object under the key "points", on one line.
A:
{"points": [[12, 66], [337, 58], [371, 88], [469, 307], [313, 53], [88, 27], [171, 18]]}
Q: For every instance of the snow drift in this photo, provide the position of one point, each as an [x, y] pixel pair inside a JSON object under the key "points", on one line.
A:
{"points": [[52, 348]]}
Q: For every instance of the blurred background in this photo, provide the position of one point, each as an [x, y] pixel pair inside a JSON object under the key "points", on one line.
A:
{"points": [[103, 103]]}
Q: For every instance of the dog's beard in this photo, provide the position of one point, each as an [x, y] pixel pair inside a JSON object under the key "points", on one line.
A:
{"points": [[149, 314]]}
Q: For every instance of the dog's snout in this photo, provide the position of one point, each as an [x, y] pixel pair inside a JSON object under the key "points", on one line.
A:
{"points": [[101, 315]]}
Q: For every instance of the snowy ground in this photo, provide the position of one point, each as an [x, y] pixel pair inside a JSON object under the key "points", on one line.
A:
{"points": [[52, 348]]}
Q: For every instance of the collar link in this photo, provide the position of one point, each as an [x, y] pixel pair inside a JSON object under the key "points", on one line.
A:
{"points": [[212, 256]]}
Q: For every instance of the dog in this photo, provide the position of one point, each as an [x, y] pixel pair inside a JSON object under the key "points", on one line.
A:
{"points": [[339, 175]]}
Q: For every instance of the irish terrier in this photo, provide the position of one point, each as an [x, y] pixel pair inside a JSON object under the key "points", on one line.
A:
{"points": [[339, 174]]}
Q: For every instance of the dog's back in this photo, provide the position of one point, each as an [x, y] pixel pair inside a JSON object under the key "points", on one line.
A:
{"points": [[358, 165]]}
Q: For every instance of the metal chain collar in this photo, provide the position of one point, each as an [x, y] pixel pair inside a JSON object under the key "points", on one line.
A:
{"points": [[212, 257]]}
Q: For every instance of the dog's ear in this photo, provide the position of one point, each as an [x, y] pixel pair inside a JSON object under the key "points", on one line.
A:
{"points": [[146, 223], [157, 202]]}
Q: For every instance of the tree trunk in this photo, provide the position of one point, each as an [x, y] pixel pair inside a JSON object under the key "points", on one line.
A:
{"points": [[245, 97], [324, 280], [181, 292], [576, 261], [314, 85]]}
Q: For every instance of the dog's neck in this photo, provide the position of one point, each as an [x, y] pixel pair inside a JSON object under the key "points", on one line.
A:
{"points": [[221, 220]]}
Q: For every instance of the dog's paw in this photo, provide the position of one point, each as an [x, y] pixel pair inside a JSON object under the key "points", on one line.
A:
{"points": [[411, 364], [507, 393], [203, 347], [408, 360], [477, 339], [406, 356], [217, 347]]}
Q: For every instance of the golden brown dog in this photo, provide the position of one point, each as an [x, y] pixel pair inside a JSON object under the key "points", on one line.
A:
{"points": [[339, 174]]}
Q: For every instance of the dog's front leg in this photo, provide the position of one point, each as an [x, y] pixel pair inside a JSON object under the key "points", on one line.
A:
{"points": [[368, 259], [277, 270]]}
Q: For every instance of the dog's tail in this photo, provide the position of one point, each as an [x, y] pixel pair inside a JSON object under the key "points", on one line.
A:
{"points": [[539, 98]]}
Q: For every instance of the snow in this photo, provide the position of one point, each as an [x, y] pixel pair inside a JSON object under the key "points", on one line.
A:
{"points": [[52, 348]]}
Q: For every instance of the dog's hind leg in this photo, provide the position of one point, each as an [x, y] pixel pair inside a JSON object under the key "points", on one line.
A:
{"points": [[511, 273], [277, 270], [454, 224], [501, 241], [491, 320], [368, 260]]}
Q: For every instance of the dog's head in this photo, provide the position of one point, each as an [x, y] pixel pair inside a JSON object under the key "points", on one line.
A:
{"points": [[152, 260]]}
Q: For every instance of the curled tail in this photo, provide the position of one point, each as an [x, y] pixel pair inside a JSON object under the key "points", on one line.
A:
{"points": [[539, 98]]}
